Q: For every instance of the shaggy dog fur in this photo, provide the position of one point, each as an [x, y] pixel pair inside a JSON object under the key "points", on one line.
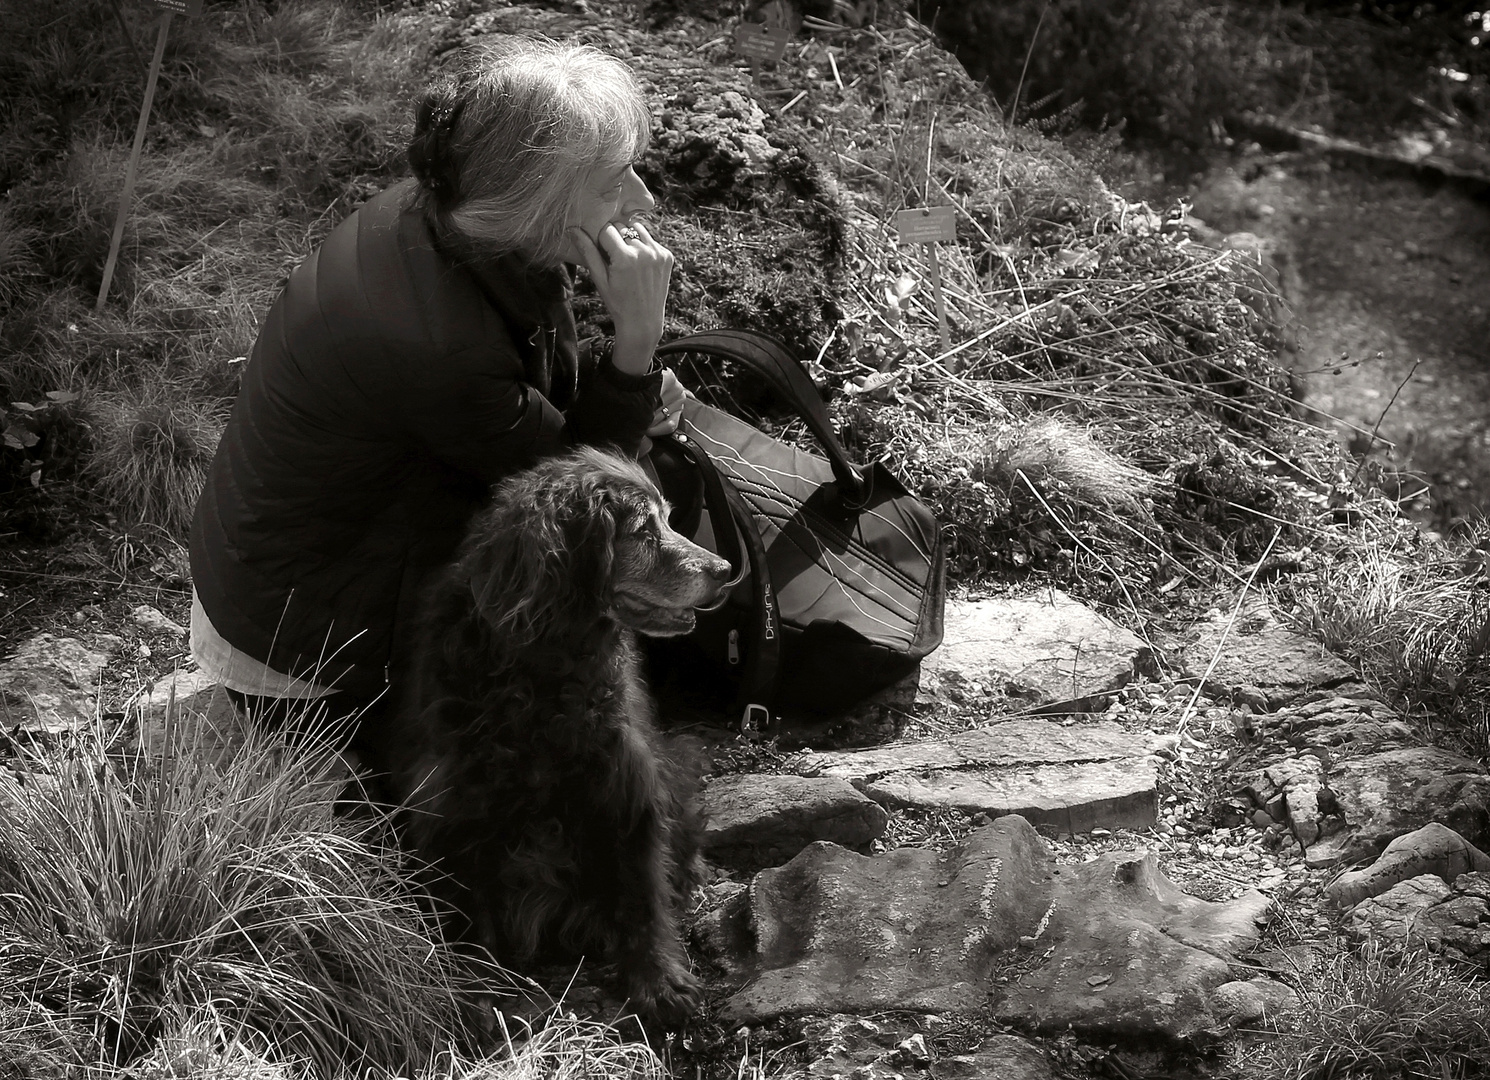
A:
{"points": [[540, 789]]}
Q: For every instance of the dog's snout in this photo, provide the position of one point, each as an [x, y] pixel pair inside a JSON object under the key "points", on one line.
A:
{"points": [[715, 575], [716, 569]]}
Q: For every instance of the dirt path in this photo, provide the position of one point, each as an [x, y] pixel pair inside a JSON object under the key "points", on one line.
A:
{"points": [[1394, 276]]}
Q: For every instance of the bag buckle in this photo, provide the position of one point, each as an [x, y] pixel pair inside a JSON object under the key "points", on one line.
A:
{"points": [[755, 719]]}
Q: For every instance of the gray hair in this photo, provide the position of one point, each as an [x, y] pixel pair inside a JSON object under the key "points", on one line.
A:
{"points": [[504, 143]]}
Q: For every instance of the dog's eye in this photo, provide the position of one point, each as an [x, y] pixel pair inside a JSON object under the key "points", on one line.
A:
{"points": [[644, 531]]}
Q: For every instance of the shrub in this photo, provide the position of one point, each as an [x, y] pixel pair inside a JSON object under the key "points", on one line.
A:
{"points": [[1164, 66]]}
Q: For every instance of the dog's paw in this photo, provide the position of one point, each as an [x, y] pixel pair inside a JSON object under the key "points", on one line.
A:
{"points": [[667, 995]]}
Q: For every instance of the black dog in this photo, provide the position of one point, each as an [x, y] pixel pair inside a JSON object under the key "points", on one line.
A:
{"points": [[540, 789]]}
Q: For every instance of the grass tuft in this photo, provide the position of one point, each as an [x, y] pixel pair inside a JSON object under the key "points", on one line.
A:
{"points": [[151, 452], [1383, 1012], [1053, 453], [142, 895], [566, 1047], [1414, 611]]}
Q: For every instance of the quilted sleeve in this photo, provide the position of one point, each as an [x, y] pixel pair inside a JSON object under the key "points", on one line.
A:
{"points": [[614, 408]]}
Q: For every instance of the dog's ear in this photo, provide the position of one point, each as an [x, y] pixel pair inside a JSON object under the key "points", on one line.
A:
{"points": [[543, 554], [590, 548]]}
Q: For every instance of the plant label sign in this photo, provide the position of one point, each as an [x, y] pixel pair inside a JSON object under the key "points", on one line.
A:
{"points": [[757, 42], [928, 225], [931, 225], [179, 7]]}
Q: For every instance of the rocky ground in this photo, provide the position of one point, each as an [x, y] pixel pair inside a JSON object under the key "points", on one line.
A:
{"points": [[1077, 845]]}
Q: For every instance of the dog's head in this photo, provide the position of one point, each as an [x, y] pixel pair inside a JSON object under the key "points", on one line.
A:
{"points": [[581, 537]]}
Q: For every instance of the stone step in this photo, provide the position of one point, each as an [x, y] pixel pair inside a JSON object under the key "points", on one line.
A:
{"points": [[755, 820], [1041, 649], [1073, 777], [1070, 798], [1109, 949]]}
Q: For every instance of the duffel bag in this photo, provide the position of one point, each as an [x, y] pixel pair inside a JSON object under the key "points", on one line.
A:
{"points": [[841, 572]]}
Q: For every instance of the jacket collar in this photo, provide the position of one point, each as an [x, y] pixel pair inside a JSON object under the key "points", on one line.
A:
{"points": [[525, 294]]}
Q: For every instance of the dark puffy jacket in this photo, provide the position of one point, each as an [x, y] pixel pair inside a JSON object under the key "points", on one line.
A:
{"points": [[391, 384]]}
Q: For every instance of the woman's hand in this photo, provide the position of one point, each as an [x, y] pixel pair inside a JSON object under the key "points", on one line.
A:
{"points": [[665, 422], [631, 273]]}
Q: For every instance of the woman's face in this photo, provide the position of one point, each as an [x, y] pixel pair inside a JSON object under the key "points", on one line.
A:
{"points": [[611, 197]]}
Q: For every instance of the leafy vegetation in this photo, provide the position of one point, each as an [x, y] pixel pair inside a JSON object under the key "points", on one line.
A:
{"points": [[1172, 70]]}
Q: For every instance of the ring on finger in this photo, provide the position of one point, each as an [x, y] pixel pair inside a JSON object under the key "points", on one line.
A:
{"points": [[628, 233]]}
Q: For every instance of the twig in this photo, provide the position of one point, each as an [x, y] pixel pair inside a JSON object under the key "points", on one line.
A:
{"points": [[1371, 442], [1189, 709], [17, 608], [1118, 521], [1010, 321], [1013, 114]]}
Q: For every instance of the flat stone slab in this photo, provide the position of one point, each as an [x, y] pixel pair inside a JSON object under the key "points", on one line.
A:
{"points": [[755, 820], [1339, 726], [1132, 955], [1075, 777], [1042, 649], [1072, 798], [50, 685], [1006, 1057], [1268, 669], [1110, 947], [883, 1049]]}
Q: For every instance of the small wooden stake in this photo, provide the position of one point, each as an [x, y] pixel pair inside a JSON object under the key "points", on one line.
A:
{"points": [[134, 159], [941, 299]]}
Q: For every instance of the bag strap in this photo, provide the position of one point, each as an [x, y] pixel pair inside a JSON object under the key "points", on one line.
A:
{"points": [[775, 362], [757, 693], [738, 542], [716, 502]]}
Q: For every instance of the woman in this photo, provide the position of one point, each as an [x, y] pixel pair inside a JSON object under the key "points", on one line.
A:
{"points": [[425, 350]]}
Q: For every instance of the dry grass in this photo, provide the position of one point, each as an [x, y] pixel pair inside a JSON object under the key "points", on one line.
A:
{"points": [[142, 897], [1109, 414], [151, 451], [269, 126], [1414, 612], [566, 1047], [1381, 1012]]}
